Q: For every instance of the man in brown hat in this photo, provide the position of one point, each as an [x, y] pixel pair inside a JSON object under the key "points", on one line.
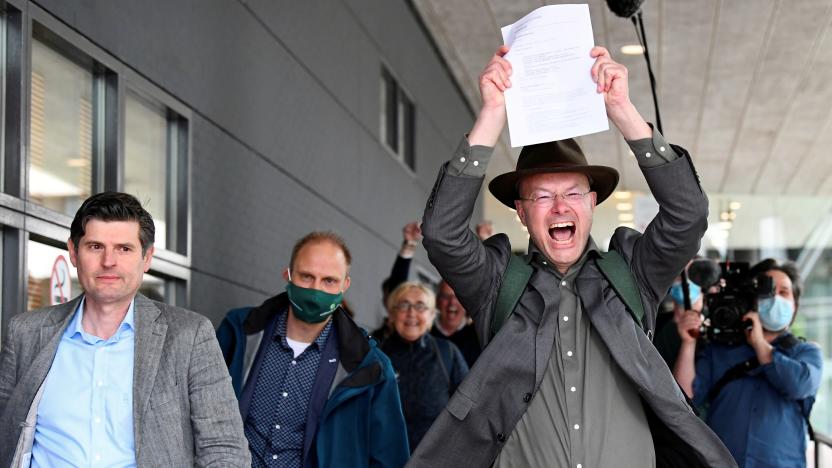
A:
{"points": [[571, 379]]}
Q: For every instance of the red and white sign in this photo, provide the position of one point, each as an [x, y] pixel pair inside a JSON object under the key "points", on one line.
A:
{"points": [[60, 286]]}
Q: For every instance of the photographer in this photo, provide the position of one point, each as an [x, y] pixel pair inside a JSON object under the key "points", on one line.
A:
{"points": [[757, 394]]}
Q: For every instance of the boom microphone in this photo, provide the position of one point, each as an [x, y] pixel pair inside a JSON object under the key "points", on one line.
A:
{"points": [[625, 8], [631, 9]]}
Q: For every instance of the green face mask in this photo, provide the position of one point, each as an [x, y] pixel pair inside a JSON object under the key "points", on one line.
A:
{"points": [[312, 305]]}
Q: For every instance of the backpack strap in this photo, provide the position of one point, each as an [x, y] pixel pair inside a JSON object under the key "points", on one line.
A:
{"points": [[617, 272], [515, 278], [611, 264]]}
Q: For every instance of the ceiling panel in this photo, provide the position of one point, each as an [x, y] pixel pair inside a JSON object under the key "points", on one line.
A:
{"points": [[806, 121], [685, 65], [739, 38], [775, 85]]}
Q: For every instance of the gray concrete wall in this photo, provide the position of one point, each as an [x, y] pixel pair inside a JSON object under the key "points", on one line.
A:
{"points": [[285, 101]]}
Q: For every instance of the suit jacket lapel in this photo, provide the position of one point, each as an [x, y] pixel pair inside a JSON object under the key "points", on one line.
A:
{"points": [[150, 333], [51, 330], [56, 322]]}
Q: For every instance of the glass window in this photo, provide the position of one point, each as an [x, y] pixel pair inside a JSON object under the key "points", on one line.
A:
{"points": [[389, 109], [154, 287], [61, 130], [397, 119], [145, 159], [51, 277]]}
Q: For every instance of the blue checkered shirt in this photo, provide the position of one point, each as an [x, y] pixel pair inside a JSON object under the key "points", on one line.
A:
{"points": [[277, 415]]}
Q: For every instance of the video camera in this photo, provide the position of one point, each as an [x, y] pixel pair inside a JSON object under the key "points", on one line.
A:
{"points": [[739, 292]]}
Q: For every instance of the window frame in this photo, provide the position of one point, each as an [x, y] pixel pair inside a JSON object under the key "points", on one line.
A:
{"points": [[21, 22], [405, 120]]}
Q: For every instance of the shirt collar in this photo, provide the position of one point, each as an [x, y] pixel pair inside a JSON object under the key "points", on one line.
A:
{"points": [[535, 255], [280, 331], [76, 328]]}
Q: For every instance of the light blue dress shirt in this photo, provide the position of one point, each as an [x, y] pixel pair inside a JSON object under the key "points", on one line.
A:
{"points": [[85, 418]]}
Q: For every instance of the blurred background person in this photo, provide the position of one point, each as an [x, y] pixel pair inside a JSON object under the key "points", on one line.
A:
{"points": [[411, 236], [428, 368], [453, 324], [757, 395], [702, 274]]}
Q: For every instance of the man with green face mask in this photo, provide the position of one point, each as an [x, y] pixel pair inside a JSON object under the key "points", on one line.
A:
{"points": [[314, 390]]}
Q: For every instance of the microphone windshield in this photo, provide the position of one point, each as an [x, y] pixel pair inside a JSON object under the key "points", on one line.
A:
{"points": [[704, 272], [625, 8]]}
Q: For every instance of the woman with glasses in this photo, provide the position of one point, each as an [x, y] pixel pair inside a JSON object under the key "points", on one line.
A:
{"points": [[428, 368]]}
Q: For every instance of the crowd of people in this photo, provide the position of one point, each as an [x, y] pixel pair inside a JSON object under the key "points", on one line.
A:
{"points": [[559, 357]]}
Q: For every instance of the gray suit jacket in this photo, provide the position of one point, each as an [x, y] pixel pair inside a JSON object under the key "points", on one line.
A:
{"points": [[474, 426], [184, 409]]}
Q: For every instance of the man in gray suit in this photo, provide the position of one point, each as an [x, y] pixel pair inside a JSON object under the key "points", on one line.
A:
{"points": [[571, 379], [112, 378]]}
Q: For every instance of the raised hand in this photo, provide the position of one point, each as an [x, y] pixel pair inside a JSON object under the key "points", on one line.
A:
{"points": [[412, 233], [612, 80], [611, 77], [494, 80]]}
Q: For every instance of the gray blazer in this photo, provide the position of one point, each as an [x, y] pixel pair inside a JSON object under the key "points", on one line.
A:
{"points": [[184, 409], [488, 404]]}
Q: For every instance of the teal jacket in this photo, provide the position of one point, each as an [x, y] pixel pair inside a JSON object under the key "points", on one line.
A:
{"points": [[355, 415]]}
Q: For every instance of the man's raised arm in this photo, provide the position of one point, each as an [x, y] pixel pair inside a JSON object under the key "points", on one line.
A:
{"points": [[461, 258]]}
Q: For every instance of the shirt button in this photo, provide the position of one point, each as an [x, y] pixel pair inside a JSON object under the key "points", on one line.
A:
{"points": [[100, 383], [563, 283], [476, 163], [97, 456], [647, 155], [274, 457], [572, 389], [579, 466], [527, 397], [565, 318], [98, 420], [576, 426], [294, 363], [285, 394], [569, 353], [661, 148], [277, 426], [462, 159], [501, 437]]}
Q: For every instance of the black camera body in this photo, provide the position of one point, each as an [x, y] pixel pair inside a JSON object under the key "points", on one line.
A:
{"points": [[738, 293]]}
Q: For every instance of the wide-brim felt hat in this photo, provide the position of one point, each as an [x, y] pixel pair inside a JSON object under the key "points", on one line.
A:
{"points": [[553, 157]]}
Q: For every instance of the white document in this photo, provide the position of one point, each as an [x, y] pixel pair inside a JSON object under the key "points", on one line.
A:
{"points": [[552, 96]]}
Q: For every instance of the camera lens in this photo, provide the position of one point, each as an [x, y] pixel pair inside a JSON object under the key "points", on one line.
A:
{"points": [[725, 316]]}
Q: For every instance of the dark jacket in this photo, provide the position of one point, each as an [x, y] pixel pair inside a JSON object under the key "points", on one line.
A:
{"points": [[483, 412], [428, 371], [465, 339], [354, 417]]}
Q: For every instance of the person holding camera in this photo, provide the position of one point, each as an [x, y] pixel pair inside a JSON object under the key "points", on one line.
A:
{"points": [[757, 395]]}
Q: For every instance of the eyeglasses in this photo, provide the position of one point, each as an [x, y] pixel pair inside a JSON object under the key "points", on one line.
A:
{"points": [[548, 199], [405, 306]]}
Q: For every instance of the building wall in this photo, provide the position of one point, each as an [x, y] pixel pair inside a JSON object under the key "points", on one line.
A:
{"points": [[285, 128]]}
